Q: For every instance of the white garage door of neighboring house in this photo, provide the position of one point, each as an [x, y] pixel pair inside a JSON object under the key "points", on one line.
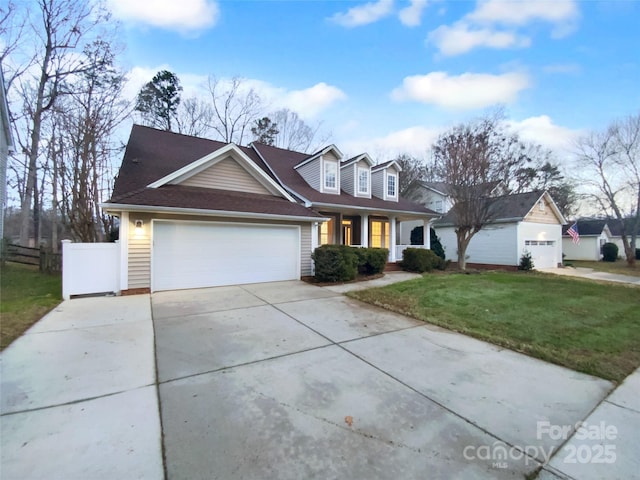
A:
{"points": [[206, 254], [543, 253]]}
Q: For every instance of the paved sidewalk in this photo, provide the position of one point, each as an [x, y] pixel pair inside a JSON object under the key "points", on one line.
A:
{"points": [[79, 396], [613, 447], [388, 279], [591, 274]]}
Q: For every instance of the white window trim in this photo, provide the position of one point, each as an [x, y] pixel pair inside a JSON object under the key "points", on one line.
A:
{"points": [[360, 170], [324, 176], [395, 185]]}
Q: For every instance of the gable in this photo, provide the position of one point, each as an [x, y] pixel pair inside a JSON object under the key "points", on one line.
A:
{"points": [[227, 174], [545, 215]]}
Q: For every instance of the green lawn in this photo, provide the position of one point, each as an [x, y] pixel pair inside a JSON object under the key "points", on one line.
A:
{"points": [[25, 296], [586, 326], [619, 266]]}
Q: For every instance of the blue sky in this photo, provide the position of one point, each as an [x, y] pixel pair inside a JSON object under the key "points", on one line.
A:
{"points": [[386, 77]]}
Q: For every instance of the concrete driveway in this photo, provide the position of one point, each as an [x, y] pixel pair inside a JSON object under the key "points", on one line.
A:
{"points": [[288, 380]]}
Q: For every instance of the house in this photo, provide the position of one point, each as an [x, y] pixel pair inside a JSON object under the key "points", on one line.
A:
{"points": [[525, 222], [593, 234], [6, 146], [616, 233], [437, 197], [196, 212]]}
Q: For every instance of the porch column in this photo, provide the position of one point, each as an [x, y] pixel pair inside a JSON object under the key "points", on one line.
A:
{"points": [[427, 233], [364, 230], [392, 239], [314, 243], [124, 250]]}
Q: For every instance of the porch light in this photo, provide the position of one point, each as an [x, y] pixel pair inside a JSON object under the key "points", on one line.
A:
{"points": [[139, 228]]}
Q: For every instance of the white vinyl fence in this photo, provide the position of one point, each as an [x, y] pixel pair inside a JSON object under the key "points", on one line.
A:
{"points": [[89, 268]]}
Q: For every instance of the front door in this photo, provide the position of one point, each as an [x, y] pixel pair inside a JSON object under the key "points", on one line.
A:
{"points": [[347, 229], [380, 234]]}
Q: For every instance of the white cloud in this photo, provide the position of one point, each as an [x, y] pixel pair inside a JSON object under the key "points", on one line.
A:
{"points": [[182, 15], [466, 91], [415, 141], [311, 101], [479, 28], [364, 14], [542, 130], [461, 38], [411, 16], [307, 102], [523, 12]]}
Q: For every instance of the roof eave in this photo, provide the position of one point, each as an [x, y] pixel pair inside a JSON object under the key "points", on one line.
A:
{"points": [[124, 207]]}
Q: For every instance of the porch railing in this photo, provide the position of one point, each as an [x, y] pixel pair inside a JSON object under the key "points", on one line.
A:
{"points": [[400, 249]]}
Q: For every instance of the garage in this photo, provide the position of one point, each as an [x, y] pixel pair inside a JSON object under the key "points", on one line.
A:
{"points": [[210, 254], [543, 253]]}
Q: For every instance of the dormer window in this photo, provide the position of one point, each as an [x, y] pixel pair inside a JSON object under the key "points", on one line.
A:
{"points": [[391, 185], [330, 175], [363, 181]]}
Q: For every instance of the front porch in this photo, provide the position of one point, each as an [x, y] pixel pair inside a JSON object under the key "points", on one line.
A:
{"points": [[371, 229]]}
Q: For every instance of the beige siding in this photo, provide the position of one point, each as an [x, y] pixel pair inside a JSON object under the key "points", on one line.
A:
{"points": [[140, 245], [139, 254], [311, 173], [227, 174], [539, 216], [305, 250], [330, 156]]}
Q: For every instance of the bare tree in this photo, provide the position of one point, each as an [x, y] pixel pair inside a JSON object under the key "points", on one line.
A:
{"points": [[235, 108], [295, 134], [88, 118], [193, 117], [55, 36], [412, 169], [471, 158], [610, 164]]}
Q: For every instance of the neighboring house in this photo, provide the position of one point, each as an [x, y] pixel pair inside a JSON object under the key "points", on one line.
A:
{"points": [[616, 233], [437, 197], [196, 212], [525, 222], [593, 234], [6, 146]]}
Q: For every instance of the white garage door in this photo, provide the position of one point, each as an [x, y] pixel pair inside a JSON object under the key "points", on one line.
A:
{"points": [[193, 255], [543, 253]]}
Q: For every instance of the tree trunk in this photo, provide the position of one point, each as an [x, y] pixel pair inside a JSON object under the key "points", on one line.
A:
{"points": [[463, 238]]}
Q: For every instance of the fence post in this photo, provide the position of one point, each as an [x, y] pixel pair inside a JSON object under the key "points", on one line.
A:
{"points": [[65, 272]]}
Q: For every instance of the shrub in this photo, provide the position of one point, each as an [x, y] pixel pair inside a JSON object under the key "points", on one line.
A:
{"points": [[526, 262], [436, 245], [371, 260], [421, 260], [609, 252], [417, 238], [335, 263]]}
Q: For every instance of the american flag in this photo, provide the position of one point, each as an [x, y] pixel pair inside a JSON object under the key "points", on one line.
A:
{"points": [[573, 233]]}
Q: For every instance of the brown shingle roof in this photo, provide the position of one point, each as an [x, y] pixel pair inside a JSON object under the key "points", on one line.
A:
{"points": [[153, 154], [179, 196], [282, 163], [506, 208]]}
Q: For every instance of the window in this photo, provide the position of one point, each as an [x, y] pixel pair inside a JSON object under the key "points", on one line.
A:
{"points": [[326, 232], [541, 205], [379, 234], [391, 185], [439, 206], [363, 180], [330, 175]]}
